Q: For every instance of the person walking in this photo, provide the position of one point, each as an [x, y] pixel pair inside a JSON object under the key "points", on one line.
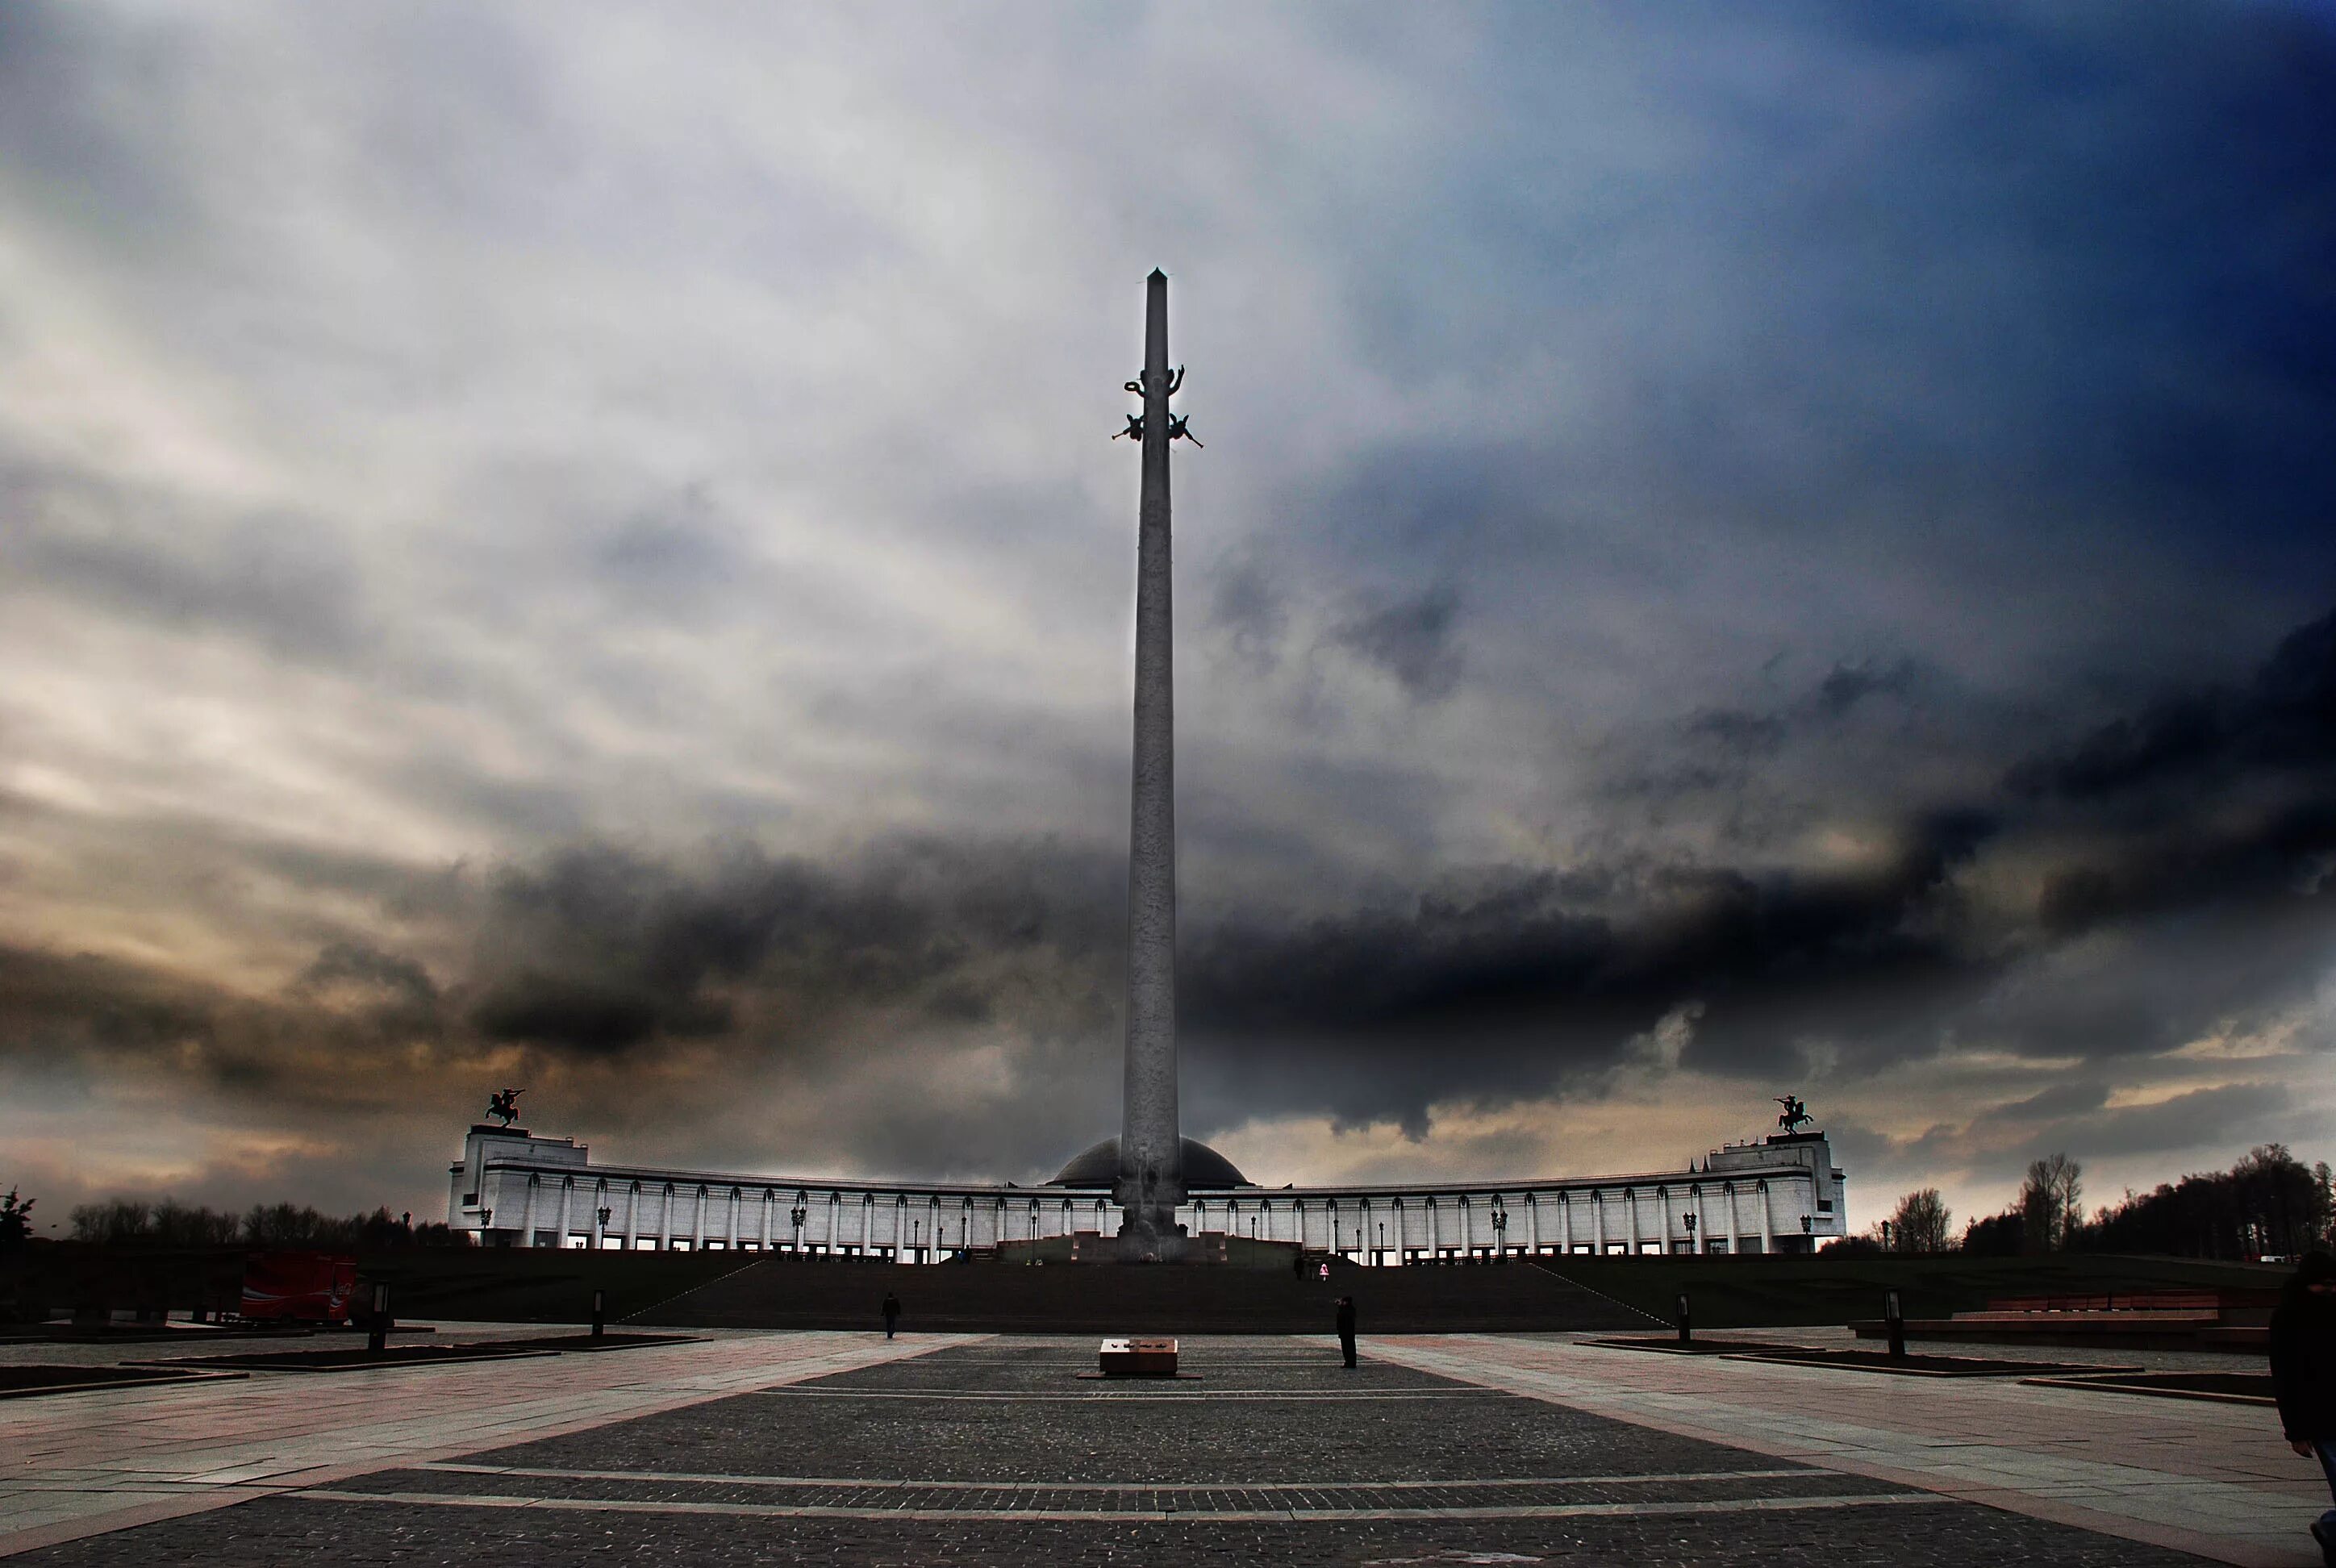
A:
{"points": [[1347, 1328], [2303, 1374], [891, 1313]]}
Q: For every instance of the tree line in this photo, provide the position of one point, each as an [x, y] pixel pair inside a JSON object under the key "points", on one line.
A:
{"points": [[170, 1223], [2269, 1204]]}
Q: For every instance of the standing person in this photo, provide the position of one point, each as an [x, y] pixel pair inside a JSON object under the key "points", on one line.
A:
{"points": [[1347, 1328], [891, 1313], [2304, 1373]]}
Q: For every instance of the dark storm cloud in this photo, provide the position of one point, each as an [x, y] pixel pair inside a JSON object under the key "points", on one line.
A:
{"points": [[602, 950], [314, 1043], [1738, 731], [1847, 685], [1250, 608], [1746, 733], [1414, 640], [2283, 720], [1509, 984], [1509, 987], [1509, 990]]}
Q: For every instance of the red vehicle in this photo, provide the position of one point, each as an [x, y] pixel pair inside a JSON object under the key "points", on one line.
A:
{"points": [[299, 1287]]}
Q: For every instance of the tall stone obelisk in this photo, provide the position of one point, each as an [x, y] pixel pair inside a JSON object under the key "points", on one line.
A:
{"points": [[1151, 1146]]}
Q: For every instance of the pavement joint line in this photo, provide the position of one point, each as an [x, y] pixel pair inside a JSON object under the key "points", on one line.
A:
{"points": [[1254, 1395], [452, 1468], [1229, 1515]]}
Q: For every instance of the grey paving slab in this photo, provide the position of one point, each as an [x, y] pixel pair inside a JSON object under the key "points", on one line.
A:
{"points": [[2152, 1476], [995, 1453]]}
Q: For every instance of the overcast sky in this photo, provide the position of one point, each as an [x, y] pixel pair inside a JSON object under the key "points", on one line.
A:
{"points": [[1738, 551]]}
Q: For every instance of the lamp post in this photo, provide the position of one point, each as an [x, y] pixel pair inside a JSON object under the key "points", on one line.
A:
{"points": [[1379, 1261], [600, 1243], [1499, 1232], [1808, 1229], [1885, 1235], [796, 1217], [1688, 1219]]}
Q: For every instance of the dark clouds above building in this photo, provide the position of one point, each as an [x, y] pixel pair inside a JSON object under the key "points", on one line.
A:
{"points": [[1735, 552]]}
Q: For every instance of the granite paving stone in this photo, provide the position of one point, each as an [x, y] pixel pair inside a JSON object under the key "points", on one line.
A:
{"points": [[998, 1451]]}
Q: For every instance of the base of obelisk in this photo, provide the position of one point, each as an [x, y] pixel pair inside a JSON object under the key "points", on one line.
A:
{"points": [[1145, 1240], [1095, 1247]]}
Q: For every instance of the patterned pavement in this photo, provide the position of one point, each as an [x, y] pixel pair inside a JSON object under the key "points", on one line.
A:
{"points": [[840, 1449]]}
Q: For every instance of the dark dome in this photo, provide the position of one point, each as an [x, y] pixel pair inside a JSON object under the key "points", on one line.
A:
{"points": [[1204, 1168]]}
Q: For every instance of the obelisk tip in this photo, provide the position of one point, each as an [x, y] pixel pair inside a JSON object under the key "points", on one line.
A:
{"points": [[1157, 277]]}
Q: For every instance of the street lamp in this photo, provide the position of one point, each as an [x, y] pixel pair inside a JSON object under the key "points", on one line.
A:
{"points": [[1885, 1235], [1688, 1219], [602, 1244], [796, 1217], [1380, 1261], [1499, 1232]]}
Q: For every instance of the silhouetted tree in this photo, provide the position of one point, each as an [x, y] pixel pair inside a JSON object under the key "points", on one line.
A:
{"points": [[115, 1220], [1920, 1224], [172, 1223], [295, 1226], [176, 1224], [2269, 1203], [1996, 1236], [2048, 1204], [15, 1220]]}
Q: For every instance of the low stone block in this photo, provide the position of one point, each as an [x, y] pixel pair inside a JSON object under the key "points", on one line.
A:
{"points": [[1139, 1357]]}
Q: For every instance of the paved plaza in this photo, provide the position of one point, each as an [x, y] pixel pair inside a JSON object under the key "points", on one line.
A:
{"points": [[843, 1449]]}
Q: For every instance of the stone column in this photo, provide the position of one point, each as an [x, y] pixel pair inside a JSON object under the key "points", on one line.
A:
{"points": [[1151, 1148]]}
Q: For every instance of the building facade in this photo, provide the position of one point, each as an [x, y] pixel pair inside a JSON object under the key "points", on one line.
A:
{"points": [[1781, 1194]]}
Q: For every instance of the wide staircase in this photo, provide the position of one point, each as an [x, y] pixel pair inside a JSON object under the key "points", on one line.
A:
{"points": [[786, 1292]]}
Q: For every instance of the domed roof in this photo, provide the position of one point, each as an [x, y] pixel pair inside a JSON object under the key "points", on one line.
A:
{"points": [[1204, 1168]]}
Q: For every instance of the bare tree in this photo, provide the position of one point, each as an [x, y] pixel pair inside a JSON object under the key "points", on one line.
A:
{"points": [[2048, 1204], [115, 1220], [1919, 1225]]}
